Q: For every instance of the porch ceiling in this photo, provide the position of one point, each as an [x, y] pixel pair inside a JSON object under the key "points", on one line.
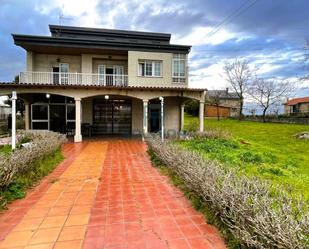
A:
{"points": [[46, 49], [82, 91]]}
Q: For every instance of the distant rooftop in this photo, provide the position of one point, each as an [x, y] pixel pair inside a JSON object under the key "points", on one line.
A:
{"points": [[297, 101], [223, 94]]}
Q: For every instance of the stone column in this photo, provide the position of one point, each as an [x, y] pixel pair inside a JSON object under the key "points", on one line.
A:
{"points": [[145, 116], [78, 134], [201, 116], [182, 116], [27, 116]]}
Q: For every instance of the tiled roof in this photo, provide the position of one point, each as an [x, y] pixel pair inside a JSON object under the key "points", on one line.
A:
{"points": [[223, 94], [15, 85], [297, 101]]}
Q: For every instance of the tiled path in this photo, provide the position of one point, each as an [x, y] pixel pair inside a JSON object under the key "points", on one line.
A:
{"points": [[106, 195]]}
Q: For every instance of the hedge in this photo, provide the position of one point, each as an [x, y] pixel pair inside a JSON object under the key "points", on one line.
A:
{"points": [[20, 161], [256, 215]]}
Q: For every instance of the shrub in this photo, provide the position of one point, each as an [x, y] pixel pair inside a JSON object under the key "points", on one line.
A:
{"points": [[251, 157], [192, 107], [22, 159], [251, 210], [192, 126], [18, 187], [210, 133]]}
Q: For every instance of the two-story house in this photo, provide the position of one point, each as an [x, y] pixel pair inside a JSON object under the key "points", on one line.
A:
{"points": [[110, 80]]}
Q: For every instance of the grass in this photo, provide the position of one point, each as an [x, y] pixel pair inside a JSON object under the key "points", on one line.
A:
{"points": [[18, 188], [197, 202], [266, 150], [5, 149]]}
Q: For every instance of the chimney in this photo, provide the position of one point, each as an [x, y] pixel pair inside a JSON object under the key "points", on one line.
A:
{"points": [[227, 91]]}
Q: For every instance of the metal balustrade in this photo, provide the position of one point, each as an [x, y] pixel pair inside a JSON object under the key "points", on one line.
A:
{"points": [[77, 79]]}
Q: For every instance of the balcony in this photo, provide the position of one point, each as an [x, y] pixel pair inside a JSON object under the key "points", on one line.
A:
{"points": [[75, 79]]}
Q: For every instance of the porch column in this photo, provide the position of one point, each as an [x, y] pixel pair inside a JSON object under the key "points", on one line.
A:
{"points": [[78, 134], [145, 116], [182, 116], [13, 131], [201, 116], [27, 116]]}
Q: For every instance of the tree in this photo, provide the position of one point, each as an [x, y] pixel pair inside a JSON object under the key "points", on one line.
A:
{"points": [[267, 93], [215, 100], [20, 107], [238, 74]]}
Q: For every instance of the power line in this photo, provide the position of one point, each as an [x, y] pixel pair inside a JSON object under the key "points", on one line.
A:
{"points": [[235, 14]]}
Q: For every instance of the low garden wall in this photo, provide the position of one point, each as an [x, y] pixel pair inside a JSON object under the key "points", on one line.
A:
{"points": [[283, 119], [256, 215]]}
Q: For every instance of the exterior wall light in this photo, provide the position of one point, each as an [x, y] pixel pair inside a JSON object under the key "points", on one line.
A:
{"points": [[47, 95], [106, 97]]}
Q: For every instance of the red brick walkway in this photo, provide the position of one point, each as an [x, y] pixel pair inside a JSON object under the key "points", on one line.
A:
{"points": [[108, 196]]}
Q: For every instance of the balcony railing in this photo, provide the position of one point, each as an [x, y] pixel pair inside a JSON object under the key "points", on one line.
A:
{"points": [[78, 79]]}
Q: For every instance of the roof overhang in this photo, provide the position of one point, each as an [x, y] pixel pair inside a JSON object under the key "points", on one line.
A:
{"points": [[179, 89], [39, 43], [61, 30]]}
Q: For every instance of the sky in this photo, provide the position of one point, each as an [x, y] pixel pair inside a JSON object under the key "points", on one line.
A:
{"points": [[270, 34]]}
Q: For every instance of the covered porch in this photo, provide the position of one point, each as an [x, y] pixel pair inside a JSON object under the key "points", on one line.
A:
{"points": [[93, 112]]}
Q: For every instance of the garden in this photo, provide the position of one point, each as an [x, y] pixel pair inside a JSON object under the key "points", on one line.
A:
{"points": [[249, 179]]}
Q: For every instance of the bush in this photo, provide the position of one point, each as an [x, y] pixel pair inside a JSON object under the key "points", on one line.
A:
{"points": [[210, 133], [22, 159], [18, 187], [251, 157], [253, 212], [192, 107]]}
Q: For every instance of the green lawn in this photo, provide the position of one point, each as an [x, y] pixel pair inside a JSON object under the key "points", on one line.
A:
{"points": [[266, 150]]}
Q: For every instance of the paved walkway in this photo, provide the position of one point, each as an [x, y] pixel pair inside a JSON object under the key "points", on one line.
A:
{"points": [[105, 194]]}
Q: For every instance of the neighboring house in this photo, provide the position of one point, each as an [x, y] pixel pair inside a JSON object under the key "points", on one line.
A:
{"points": [[297, 105], [5, 111], [103, 80], [222, 101]]}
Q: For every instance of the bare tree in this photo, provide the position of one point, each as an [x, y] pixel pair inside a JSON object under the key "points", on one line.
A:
{"points": [[252, 111], [215, 100], [267, 93], [238, 74]]}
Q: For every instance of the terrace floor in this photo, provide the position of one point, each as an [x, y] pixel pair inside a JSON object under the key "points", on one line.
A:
{"points": [[105, 194]]}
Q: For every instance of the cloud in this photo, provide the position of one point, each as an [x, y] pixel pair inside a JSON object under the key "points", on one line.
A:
{"points": [[269, 34]]}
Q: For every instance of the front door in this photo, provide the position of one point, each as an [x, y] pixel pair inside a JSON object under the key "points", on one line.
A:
{"points": [[155, 112], [57, 118], [112, 117]]}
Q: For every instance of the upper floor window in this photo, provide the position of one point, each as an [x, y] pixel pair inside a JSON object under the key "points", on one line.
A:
{"points": [[150, 68], [179, 68]]}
